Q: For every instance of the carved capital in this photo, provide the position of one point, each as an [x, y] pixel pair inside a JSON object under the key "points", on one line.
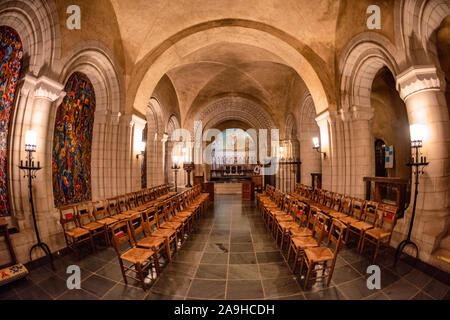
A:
{"points": [[138, 121], [417, 79], [49, 89], [102, 116], [27, 84], [327, 117], [115, 118]]}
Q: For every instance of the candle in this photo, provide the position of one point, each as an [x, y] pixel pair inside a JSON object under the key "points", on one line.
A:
{"points": [[21, 163], [39, 165]]}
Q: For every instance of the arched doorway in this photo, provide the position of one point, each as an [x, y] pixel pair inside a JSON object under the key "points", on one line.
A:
{"points": [[380, 163]]}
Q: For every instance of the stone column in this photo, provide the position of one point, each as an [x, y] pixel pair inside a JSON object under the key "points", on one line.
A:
{"points": [[125, 153], [138, 127], [361, 149], [113, 162], [99, 152], [326, 123], [422, 88]]}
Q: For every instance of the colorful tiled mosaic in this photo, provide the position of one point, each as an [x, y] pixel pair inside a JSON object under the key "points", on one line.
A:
{"points": [[10, 66], [72, 142]]}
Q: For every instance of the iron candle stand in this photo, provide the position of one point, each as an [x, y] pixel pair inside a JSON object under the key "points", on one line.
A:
{"points": [[175, 168], [417, 164], [30, 172]]}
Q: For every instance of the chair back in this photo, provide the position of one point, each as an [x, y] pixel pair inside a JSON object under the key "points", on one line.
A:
{"points": [[357, 208], [320, 228], [335, 236], [328, 199], [68, 217], [346, 205], [337, 200], [137, 226], [370, 214], [99, 210], [120, 233], [84, 213], [388, 217], [113, 206]]}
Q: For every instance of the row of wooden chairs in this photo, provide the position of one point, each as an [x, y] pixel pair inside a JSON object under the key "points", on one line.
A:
{"points": [[367, 221], [284, 214], [85, 221], [304, 218], [156, 231]]}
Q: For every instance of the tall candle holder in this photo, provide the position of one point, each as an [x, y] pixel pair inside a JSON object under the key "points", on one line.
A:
{"points": [[188, 167], [30, 173], [418, 164]]}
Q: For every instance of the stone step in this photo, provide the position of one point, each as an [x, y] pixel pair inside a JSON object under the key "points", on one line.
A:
{"points": [[445, 242], [442, 259]]}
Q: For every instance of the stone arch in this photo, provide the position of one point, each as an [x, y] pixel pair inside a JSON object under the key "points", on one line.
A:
{"points": [[290, 50], [290, 127], [37, 23], [418, 21], [96, 61], [234, 108], [360, 63], [155, 136]]}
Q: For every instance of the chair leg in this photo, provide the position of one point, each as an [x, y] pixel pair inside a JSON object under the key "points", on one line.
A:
{"points": [[140, 274], [308, 274], [167, 245], [156, 260], [295, 259], [123, 271], [376, 251], [362, 245]]}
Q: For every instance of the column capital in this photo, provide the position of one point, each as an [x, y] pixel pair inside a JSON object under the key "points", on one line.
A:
{"points": [[345, 115], [138, 121], [115, 118], [328, 116], [27, 84], [127, 120], [361, 113], [49, 89], [417, 79]]}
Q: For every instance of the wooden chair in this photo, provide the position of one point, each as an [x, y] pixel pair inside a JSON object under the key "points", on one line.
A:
{"points": [[143, 239], [381, 235], [87, 221], [170, 222], [113, 206], [154, 219], [299, 243], [151, 230], [368, 220], [74, 235], [321, 256], [141, 260]]}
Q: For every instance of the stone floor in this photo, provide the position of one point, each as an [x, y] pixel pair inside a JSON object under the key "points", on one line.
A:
{"points": [[230, 256]]}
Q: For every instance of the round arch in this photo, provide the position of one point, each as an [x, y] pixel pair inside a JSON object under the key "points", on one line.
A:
{"points": [[291, 52], [37, 24]]}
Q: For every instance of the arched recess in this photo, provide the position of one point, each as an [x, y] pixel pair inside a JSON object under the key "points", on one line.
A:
{"points": [[290, 51], [72, 142], [418, 22], [37, 23], [233, 108], [172, 124], [291, 142], [155, 136], [308, 128], [11, 53], [353, 142], [94, 60]]}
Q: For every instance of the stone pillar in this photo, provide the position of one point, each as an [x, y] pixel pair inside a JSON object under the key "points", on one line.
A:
{"points": [[138, 127], [346, 158], [326, 123], [422, 88], [361, 149], [99, 151], [113, 162], [125, 153]]}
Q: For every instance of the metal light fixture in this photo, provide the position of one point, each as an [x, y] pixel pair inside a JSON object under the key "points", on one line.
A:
{"points": [[417, 133], [30, 172], [317, 146], [175, 168]]}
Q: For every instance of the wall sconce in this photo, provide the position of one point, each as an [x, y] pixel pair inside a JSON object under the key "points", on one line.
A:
{"points": [[30, 141], [417, 132], [141, 149], [282, 153], [317, 146]]}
